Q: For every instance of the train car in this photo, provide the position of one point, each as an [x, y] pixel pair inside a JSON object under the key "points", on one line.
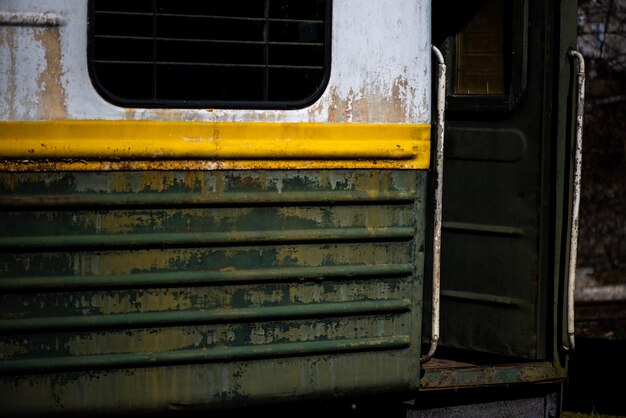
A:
{"points": [[223, 205]]}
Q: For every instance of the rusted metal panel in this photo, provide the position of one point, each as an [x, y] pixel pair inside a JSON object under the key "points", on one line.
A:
{"points": [[135, 291], [468, 376]]}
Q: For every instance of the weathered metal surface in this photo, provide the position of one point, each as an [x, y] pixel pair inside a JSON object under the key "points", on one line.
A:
{"points": [[497, 226], [43, 69], [164, 358], [438, 172], [180, 278], [182, 239], [217, 315], [578, 161], [477, 376], [135, 291], [31, 69], [29, 19], [217, 145]]}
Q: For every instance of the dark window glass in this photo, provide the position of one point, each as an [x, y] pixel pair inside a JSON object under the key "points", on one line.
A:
{"points": [[212, 53], [480, 52], [485, 47]]}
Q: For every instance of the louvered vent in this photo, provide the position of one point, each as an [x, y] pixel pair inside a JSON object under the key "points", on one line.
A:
{"points": [[211, 53]]}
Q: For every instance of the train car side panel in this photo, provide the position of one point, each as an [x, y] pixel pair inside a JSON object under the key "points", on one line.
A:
{"points": [[137, 291]]}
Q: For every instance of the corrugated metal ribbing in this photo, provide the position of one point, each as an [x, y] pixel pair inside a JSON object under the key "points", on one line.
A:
{"points": [[123, 274]]}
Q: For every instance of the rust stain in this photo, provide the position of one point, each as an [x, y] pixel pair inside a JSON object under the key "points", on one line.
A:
{"points": [[188, 115], [261, 297], [399, 98], [155, 181], [341, 292], [166, 339], [366, 105], [148, 301], [123, 263], [122, 223], [198, 165], [9, 181], [9, 40], [336, 108], [52, 103], [129, 113], [317, 110], [346, 254]]}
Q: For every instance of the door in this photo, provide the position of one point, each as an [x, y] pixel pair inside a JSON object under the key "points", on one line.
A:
{"points": [[499, 177]]}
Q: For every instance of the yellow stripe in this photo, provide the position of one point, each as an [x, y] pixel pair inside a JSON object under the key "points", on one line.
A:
{"points": [[139, 145]]}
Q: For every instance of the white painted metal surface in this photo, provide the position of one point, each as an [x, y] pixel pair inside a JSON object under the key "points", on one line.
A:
{"points": [[380, 71], [578, 157]]}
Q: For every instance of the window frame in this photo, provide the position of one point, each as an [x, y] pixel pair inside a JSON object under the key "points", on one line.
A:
{"points": [[204, 104], [515, 71]]}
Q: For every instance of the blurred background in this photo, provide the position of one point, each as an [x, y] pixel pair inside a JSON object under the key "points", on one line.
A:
{"points": [[597, 383]]}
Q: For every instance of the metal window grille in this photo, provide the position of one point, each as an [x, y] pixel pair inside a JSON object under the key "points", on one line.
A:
{"points": [[212, 53]]}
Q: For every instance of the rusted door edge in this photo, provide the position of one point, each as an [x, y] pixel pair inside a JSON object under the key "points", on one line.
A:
{"points": [[473, 376]]}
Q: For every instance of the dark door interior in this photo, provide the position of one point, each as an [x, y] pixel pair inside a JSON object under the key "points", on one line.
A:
{"points": [[496, 177]]}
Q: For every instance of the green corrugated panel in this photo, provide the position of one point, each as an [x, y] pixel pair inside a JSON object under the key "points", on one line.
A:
{"points": [[135, 291]]}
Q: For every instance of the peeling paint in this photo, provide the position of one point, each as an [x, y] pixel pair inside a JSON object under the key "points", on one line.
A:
{"points": [[31, 72], [52, 92], [393, 88], [43, 71], [357, 328], [364, 106], [166, 339]]}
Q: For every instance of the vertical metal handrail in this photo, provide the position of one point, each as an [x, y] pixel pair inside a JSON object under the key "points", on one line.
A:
{"points": [[441, 103], [578, 154]]}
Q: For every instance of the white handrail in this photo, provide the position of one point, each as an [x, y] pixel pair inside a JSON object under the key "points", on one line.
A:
{"points": [[438, 169], [578, 154]]}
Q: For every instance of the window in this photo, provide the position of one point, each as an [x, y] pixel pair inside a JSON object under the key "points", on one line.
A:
{"points": [[480, 52], [212, 53], [486, 54]]}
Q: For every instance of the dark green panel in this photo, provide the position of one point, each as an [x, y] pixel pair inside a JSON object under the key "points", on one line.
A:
{"points": [[496, 223], [130, 280]]}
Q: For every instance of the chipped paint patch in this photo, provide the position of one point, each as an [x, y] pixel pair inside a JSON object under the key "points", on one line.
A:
{"points": [[283, 286], [31, 69], [166, 339], [51, 104]]}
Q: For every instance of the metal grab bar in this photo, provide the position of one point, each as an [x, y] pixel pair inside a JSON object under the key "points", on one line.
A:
{"points": [[441, 103], [580, 108]]}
